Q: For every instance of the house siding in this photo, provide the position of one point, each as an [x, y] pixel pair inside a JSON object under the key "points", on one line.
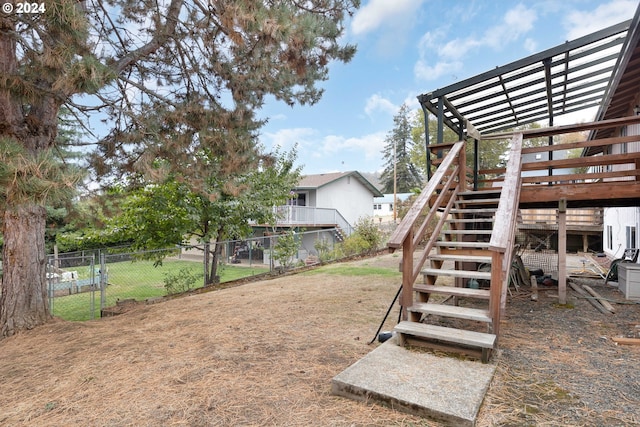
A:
{"points": [[348, 196], [618, 222]]}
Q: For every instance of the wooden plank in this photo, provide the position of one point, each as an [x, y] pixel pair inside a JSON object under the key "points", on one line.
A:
{"points": [[562, 251], [473, 211], [595, 191], [465, 245], [452, 291], [582, 176], [626, 341], [608, 159], [476, 314], [469, 220], [481, 275], [534, 288], [600, 299], [465, 202], [591, 300], [486, 259], [478, 353], [467, 232], [441, 333], [471, 252], [556, 130], [508, 206], [581, 144]]}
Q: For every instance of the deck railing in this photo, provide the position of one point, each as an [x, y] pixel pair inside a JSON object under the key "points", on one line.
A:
{"points": [[438, 195], [590, 176], [502, 237], [289, 215]]}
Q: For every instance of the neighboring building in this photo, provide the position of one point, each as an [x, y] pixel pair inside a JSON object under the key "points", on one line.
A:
{"points": [[383, 206], [324, 203], [349, 193]]}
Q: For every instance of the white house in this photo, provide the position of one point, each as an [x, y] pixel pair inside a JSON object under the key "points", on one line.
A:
{"points": [[621, 223], [348, 193], [383, 206], [326, 206]]}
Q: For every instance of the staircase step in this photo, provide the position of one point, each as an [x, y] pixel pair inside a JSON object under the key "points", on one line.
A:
{"points": [[453, 291], [450, 335], [461, 258], [485, 232], [478, 201], [480, 275], [473, 245], [477, 314], [473, 210], [480, 193], [469, 220]]}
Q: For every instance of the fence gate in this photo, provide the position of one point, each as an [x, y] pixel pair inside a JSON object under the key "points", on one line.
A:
{"points": [[72, 285]]}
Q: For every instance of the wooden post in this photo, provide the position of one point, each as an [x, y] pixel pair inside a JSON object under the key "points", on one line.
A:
{"points": [[495, 290], [407, 274], [562, 251], [462, 169]]}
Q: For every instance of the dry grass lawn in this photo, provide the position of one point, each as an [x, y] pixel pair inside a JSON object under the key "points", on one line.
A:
{"points": [[260, 354]]}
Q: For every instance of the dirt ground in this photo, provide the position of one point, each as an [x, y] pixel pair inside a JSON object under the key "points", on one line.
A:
{"points": [[264, 354]]}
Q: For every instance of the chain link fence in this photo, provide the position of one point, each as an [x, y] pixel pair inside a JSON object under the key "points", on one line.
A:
{"points": [[90, 284]]}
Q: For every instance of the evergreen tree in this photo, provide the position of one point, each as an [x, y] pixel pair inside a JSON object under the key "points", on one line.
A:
{"points": [[178, 84], [397, 155]]}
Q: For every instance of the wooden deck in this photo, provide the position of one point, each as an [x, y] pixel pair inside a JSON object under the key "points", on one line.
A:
{"points": [[482, 224]]}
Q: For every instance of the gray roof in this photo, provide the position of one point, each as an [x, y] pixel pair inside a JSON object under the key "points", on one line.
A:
{"points": [[310, 182]]}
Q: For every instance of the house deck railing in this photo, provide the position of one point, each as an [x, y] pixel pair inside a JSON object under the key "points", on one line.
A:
{"points": [[311, 216]]}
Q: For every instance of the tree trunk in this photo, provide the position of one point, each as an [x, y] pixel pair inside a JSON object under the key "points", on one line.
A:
{"points": [[23, 303], [214, 278]]}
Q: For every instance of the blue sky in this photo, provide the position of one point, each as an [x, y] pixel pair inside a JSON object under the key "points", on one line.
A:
{"points": [[409, 47]]}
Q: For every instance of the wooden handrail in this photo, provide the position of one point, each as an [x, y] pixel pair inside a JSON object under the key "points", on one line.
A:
{"points": [[502, 236], [406, 225], [508, 205]]}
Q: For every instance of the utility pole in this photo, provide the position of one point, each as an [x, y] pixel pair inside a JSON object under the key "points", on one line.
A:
{"points": [[395, 181]]}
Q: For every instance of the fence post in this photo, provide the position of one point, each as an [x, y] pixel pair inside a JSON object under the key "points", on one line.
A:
{"points": [[206, 263], [103, 281]]}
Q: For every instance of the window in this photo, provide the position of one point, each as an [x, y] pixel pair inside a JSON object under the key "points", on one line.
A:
{"points": [[631, 237], [609, 237]]}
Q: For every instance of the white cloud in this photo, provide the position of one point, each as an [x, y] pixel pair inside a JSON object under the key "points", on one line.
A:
{"points": [[439, 57], [580, 23], [530, 45], [370, 145], [423, 71], [379, 103], [381, 13], [287, 138]]}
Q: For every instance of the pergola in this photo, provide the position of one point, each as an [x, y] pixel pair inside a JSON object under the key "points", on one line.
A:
{"points": [[601, 70]]}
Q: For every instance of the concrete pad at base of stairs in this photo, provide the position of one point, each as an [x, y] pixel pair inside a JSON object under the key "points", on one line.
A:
{"points": [[443, 388]]}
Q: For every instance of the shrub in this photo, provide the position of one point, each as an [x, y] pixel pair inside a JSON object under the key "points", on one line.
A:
{"points": [[180, 281], [323, 248], [285, 249], [366, 238]]}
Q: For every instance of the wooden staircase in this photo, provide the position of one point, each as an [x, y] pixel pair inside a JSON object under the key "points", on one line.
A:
{"points": [[460, 253], [471, 245]]}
